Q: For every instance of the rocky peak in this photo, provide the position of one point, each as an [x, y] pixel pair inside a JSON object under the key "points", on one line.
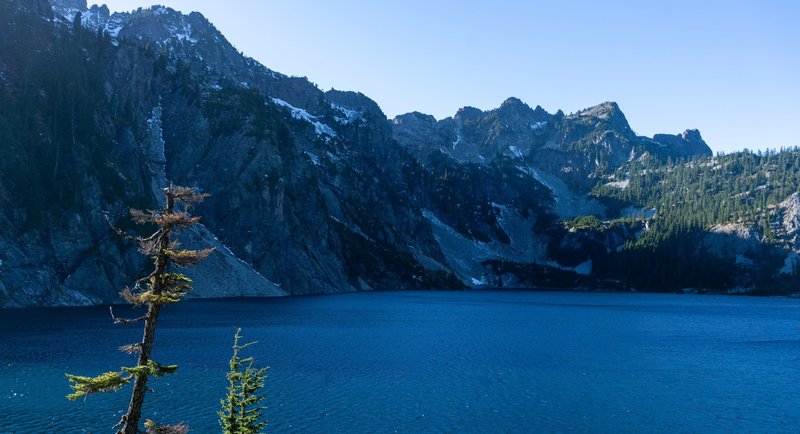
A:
{"points": [[354, 102], [513, 109], [97, 17], [66, 9], [163, 25], [468, 114], [513, 103], [417, 132], [196, 42], [691, 135], [414, 118], [540, 111], [70, 4], [349, 108], [609, 113], [685, 145], [605, 110]]}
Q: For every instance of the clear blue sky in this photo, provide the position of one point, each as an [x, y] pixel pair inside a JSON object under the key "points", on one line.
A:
{"points": [[729, 68]]}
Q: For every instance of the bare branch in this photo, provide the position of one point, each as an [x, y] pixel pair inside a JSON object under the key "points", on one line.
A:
{"points": [[119, 231], [121, 421], [125, 320], [148, 247], [132, 348]]}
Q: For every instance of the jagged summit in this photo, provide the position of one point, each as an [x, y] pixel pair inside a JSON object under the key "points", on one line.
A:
{"points": [[514, 103], [691, 134], [605, 110], [687, 144], [68, 8], [600, 136], [609, 113], [406, 117], [468, 113]]}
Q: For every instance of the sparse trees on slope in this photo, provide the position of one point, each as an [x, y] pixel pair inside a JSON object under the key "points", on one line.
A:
{"points": [[162, 286]]}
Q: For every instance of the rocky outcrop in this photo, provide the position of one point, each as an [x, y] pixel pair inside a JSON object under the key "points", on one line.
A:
{"points": [[790, 209], [685, 145]]}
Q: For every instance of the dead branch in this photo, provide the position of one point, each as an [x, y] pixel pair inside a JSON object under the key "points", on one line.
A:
{"points": [[125, 320]]}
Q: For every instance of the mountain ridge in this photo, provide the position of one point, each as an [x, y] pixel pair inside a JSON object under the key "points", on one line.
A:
{"points": [[311, 191]]}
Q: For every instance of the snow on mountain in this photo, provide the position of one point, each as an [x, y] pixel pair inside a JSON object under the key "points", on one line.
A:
{"points": [[301, 114]]}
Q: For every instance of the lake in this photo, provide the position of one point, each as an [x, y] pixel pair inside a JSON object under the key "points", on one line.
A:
{"points": [[474, 361]]}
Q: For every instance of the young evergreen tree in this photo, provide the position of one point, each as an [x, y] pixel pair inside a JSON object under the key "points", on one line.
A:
{"points": [[161, 287], [241, 412]]}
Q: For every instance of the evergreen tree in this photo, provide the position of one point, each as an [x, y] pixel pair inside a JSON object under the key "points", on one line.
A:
{"points": [[241, 412], [162, 286]]}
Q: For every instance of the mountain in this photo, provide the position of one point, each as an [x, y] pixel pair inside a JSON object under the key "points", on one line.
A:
{"points": [[318, 192]]}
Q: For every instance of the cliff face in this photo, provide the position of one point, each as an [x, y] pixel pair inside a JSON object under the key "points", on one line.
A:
{"points": [[82, 137], [311, 191], [301, 194]]}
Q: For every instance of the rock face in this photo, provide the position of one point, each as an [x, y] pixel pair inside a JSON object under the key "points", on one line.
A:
{"points": [[684, 145], [791, 214], [311, 191], [301, 192]]}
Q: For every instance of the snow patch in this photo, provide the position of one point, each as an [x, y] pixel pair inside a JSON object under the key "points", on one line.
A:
{"points": [[478, 282], [301, 114], [180, 33], [457, 140], [538, 125], [350, 115], [114, 26], [66, 12], [314, 158], [515, 151], [622, 185]]}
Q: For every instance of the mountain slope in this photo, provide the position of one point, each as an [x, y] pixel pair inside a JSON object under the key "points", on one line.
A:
{"points": [[312, 191]]}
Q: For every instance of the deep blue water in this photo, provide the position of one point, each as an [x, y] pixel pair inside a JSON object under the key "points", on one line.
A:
{"points": [[430, 362]]}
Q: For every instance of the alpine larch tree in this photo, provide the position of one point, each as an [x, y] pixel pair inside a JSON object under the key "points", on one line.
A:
{"points": [[160, 287]]}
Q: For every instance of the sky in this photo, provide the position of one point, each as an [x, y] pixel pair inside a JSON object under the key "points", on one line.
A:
{"points": [[728, 68]]}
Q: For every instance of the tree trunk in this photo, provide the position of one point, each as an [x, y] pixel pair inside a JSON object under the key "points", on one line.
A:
{"points": [[131, 419], [134, 414]]}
